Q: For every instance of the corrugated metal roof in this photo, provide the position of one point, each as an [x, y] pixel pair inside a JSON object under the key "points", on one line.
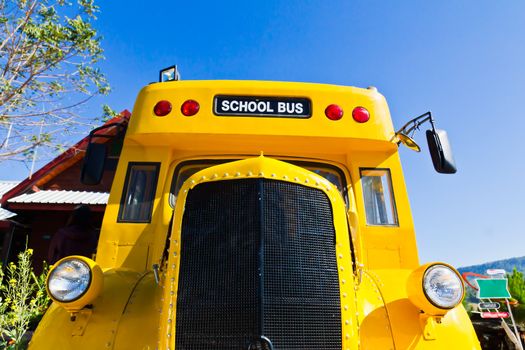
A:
{"points": [[5, 214], [62, 197], [6, 186]]}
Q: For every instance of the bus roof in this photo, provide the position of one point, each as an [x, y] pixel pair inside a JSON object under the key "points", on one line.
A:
{"points": [[226, 115]]}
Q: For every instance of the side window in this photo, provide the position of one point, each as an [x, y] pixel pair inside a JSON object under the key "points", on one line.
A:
{"points": [[380, 206], [139, 191]]}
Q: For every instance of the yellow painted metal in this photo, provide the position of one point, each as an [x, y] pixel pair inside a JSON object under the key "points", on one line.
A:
{"points": [[262, 167], [138, 327], [375, 307], [111, 320], [177, 129], [451, 331], [174, 138], [383, 246], [94, 288], [374, 325], [129, 245]]}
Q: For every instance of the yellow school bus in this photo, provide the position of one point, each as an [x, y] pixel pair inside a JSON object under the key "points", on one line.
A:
{"points": [[258, 215]]}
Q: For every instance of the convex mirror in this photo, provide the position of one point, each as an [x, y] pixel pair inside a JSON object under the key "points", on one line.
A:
{"points": [[437, 139], [94, 161], [440, 151]]}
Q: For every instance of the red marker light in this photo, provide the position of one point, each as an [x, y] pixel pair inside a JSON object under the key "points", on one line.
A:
{"points": [[162, 108], [334, 112], [190, 107], [361, 114]]}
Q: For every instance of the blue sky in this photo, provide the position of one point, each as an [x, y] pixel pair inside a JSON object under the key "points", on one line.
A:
{"points": [[464, 60]]}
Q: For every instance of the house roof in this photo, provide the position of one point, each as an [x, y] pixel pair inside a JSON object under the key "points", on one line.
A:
{"points": [[5, 214], [59, 164], [63, 197], [5, 186]]}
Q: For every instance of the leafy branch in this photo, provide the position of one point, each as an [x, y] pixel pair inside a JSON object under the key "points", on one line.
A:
{"points": [[48, 55]]}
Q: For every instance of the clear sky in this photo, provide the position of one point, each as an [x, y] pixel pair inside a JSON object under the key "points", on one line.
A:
{"points": [[464, 60]]}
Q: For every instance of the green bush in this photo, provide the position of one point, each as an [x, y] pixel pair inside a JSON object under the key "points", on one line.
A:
{"points": [[23, 301]]}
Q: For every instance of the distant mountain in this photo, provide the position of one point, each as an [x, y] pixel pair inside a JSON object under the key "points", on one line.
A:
{"points": [[507, 264]]}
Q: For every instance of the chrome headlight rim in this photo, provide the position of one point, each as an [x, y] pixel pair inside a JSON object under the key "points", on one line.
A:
{"points": [[432, 301], [53, 271]]}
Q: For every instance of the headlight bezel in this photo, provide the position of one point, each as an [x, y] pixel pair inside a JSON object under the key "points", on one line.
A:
{"points": [[53, 271], [431, 299], [92, 291], [418, 296]]}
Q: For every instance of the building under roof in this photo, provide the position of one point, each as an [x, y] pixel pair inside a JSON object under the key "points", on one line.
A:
{"points": [[31, 211]]}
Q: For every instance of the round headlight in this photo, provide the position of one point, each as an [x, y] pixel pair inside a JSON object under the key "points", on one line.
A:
{"points": [[69, 280], [442, 286]]}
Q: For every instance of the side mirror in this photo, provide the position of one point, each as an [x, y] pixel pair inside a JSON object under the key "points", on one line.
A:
{"points": [[440, 151], [94, 161]]}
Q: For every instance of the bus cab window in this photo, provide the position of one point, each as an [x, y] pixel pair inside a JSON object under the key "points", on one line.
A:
{"points": [[380, 206], [139, 192], [329, 172], [182, 173]]}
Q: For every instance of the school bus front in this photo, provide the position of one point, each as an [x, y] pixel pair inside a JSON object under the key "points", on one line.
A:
{"points": [[256, 215]]}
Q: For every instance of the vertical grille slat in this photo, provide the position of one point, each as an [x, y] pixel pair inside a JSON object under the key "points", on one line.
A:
{"points": [[225, 285]]}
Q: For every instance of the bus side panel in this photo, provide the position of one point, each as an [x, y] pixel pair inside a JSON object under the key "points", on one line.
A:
{"points": [[132, 244], [384, 247]]}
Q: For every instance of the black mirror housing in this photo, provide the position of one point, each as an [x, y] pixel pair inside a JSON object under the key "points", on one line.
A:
{"points": [[94, 162], [440, 151]]}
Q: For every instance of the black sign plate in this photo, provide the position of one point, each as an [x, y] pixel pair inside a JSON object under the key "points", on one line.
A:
{"points": [[259, 106], [487, 305]]}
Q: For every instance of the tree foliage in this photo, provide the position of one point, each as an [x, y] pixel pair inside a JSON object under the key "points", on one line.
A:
{"points": [[48, 55], [517, 285]]}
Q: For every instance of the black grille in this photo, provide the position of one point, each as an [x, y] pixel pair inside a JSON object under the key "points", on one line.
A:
{"points": [[257, 259]]}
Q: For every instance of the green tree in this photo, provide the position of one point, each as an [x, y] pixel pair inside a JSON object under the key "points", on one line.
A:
{"points": [[517, 285], [48, 55]]}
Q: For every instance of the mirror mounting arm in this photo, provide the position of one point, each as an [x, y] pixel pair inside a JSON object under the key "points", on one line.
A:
{"points": [[437, 140], [415, 123]]}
